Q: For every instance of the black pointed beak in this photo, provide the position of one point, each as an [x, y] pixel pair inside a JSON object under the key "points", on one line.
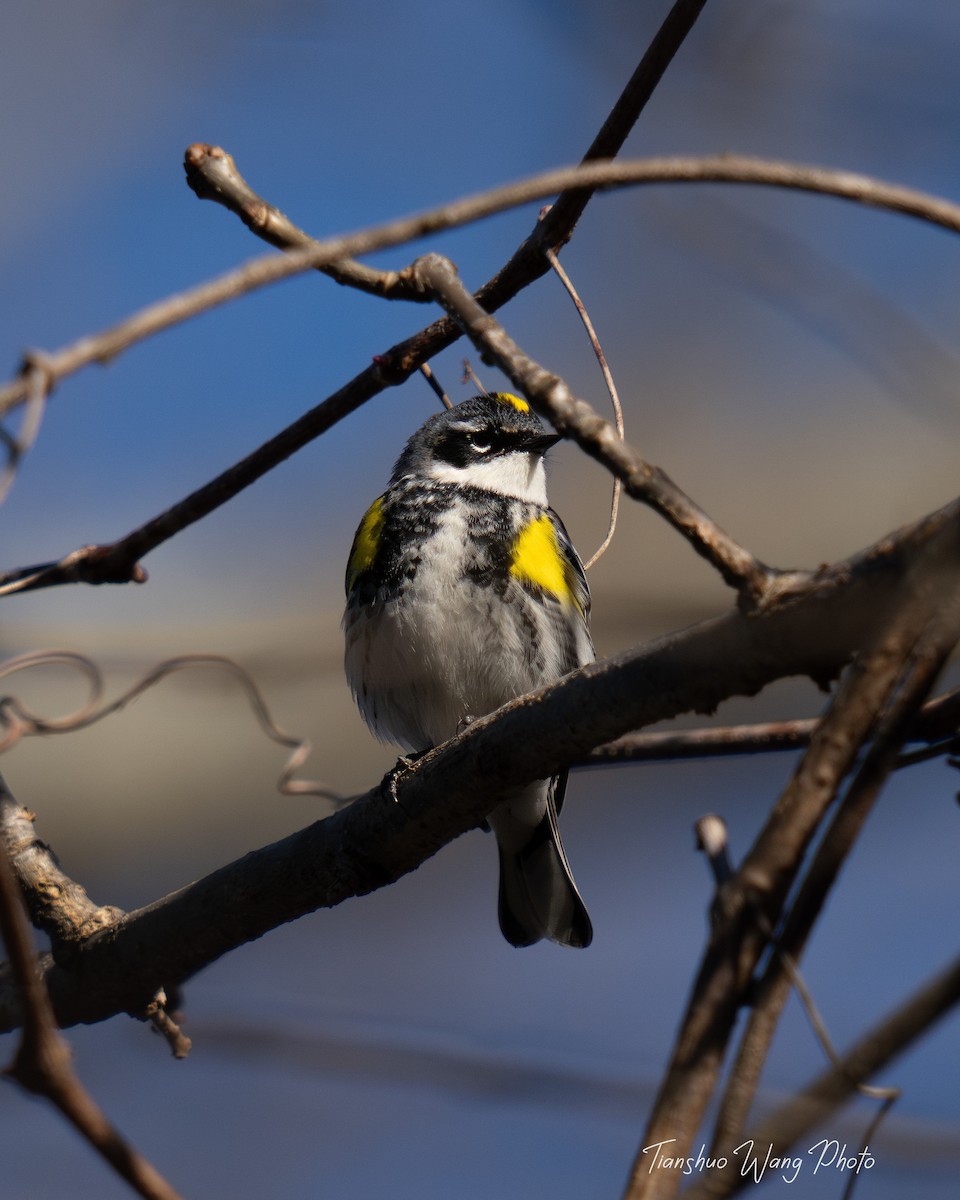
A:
{"points": [[540, 444]]}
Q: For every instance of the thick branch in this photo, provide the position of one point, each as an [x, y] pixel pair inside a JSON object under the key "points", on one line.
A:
{"points": [[58, 905], [394, 828]]}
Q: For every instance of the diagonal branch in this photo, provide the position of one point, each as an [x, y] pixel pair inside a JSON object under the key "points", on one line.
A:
{"points": [[599, 438], [413, 813], [826, 1094], [774, 987]]}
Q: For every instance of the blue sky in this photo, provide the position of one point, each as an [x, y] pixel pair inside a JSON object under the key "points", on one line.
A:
{"points": [[807, 438]]}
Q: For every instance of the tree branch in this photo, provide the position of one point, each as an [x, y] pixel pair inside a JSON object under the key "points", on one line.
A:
{"points": [[749, 907], [774, 987], [937, 726], [812, 630]]}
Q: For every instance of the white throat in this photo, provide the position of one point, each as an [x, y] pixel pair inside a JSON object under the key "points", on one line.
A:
{"points": [[520, 474]]}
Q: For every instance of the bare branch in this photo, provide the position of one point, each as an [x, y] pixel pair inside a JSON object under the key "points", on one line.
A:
{"points": [[771, 994], [406, 357], [836, 1086], [212, 174], [937, 725], [58, 905]]}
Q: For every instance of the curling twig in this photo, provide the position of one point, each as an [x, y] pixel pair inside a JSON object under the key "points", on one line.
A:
{"points": [[18, 720], [567, 282]]}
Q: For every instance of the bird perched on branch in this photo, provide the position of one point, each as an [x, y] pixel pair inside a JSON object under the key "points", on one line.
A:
{"points": [[463, 592]]}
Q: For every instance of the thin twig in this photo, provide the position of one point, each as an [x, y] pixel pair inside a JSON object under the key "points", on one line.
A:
{"points": [[470, 376], [608, 379], [937, 724], [435, 385], [39, 382]]}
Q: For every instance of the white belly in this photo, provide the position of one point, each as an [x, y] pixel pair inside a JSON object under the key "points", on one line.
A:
{"points": [[445, 648]]}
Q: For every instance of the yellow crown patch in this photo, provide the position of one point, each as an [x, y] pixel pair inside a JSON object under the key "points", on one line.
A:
{"points": [[511, 400]]}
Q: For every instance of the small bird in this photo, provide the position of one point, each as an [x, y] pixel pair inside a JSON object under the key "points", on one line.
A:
{"points": [[463, 592]]}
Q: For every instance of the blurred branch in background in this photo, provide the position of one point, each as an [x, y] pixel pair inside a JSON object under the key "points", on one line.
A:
{"points": [[796, 276], [879, 1046]]}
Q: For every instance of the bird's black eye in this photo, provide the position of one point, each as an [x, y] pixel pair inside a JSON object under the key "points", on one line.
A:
{"points": [[461, 447]]}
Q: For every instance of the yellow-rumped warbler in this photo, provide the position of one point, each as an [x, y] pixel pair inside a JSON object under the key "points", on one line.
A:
{"points": [[464, 591]]}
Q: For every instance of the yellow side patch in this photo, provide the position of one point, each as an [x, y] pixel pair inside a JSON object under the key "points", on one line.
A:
{"points": [[365, 543], [510, 399], [538, 560]]}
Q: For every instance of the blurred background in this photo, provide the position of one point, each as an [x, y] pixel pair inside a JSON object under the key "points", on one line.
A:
{"points": [[790, 360]]}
